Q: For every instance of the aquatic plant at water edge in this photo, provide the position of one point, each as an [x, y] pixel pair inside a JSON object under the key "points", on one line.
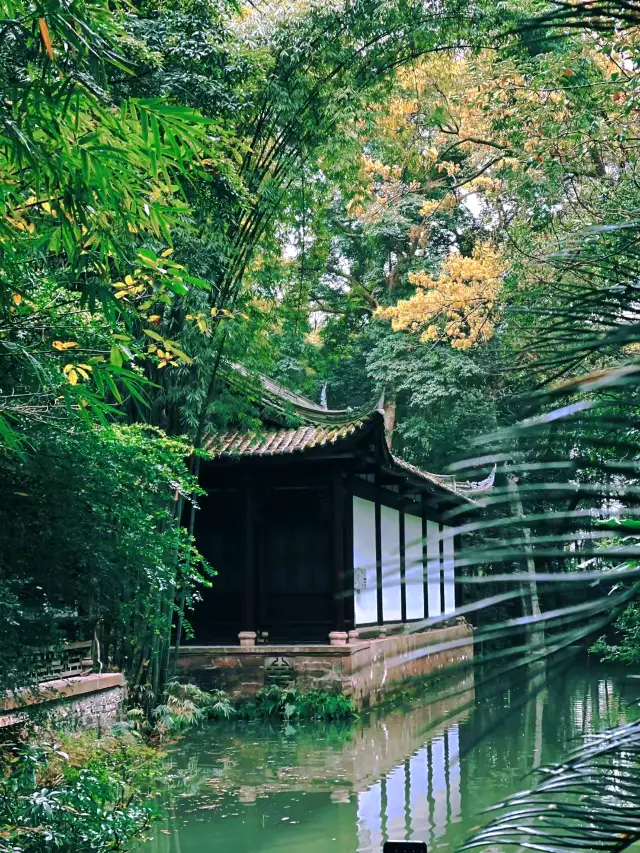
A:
{"points": [[183, 707], [289, 703]]}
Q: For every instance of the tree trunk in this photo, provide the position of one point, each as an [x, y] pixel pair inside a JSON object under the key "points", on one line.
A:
{"points": [[530, 599], [389, 414]]}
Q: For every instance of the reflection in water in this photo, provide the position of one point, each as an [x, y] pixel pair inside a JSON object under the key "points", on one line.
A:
{"points": [[417, 800], [423, 771]]}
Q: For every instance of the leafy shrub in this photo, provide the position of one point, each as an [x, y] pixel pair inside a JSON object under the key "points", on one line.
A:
{"points": [[183, 707], [90, 798], [626, 645], [289, 703]]}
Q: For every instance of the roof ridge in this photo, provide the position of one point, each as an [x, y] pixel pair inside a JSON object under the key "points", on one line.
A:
{"points": [[285, 401]]}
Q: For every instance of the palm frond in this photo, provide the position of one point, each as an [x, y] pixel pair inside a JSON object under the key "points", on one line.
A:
{"points": [[589, 802], [598, 15]]}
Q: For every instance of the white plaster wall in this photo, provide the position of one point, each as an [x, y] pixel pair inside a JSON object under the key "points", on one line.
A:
{"points": [[439, 783], [455, 800], [414, 570], [448, 565], [391, 586], [364, 562], [433, 569]]}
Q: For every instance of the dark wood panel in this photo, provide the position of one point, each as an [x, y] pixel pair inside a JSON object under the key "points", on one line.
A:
{"points": [[219, 532], [297, 566]]}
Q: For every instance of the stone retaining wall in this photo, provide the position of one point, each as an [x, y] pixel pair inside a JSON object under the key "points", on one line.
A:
{"points": [[93, 701], [365, 670]]}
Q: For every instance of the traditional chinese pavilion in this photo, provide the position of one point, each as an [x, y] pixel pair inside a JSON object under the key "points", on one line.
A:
{"points": [[316, 529]]}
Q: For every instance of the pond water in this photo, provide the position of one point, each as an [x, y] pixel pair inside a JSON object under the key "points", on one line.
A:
{"points": [[424, 770]]}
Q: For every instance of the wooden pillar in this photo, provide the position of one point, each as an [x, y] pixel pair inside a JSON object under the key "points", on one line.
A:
{"points": [[379, 554], [441, 545], [425, 562], [403, 568], [339, 584], [247, 635], [457, 572], [349, 579]]}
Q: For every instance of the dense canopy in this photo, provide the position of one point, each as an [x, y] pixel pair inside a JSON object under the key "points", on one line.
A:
{"points": [[433, 205]]}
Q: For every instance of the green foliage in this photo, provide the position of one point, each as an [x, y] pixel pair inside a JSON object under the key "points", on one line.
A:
{"points": [[79, 793], [89, 187], [153, 161], [624, 646], [185, 706], [290, 704], [88, 521]]}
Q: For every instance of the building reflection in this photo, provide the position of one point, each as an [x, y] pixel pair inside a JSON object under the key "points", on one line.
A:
{"points": [[425, 770], [418, 800], [515, 728], [420, 796]]}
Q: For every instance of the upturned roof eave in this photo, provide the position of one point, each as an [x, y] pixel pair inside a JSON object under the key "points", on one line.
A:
{"points": [[327, 429], [287, 404]]}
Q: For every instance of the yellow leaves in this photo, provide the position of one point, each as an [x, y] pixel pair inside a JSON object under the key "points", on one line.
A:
{"points": [[155, 319], [165, 357], [459, 305], [46, 38], [448, 167], [22, 224], [313, 338], [375, 168], [483, 183], [225, 314], [17, 298], [132, 288], [200, 320], [381, 187], [166, 351], [71, 374], [74, 371], [431, 206]]}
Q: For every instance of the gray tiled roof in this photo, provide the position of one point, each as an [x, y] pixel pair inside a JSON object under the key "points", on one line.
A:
{"points": [[318, 427], [277, 441]]}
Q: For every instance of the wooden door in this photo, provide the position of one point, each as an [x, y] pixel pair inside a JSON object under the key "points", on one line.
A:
{"points": [[297, 577], [219, 532]]}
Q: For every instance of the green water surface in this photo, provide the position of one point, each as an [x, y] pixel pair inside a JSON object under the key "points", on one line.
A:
{"points": [[424, 770]]}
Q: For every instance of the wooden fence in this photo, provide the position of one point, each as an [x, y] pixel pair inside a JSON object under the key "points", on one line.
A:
{"points": [[72, 659]]}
